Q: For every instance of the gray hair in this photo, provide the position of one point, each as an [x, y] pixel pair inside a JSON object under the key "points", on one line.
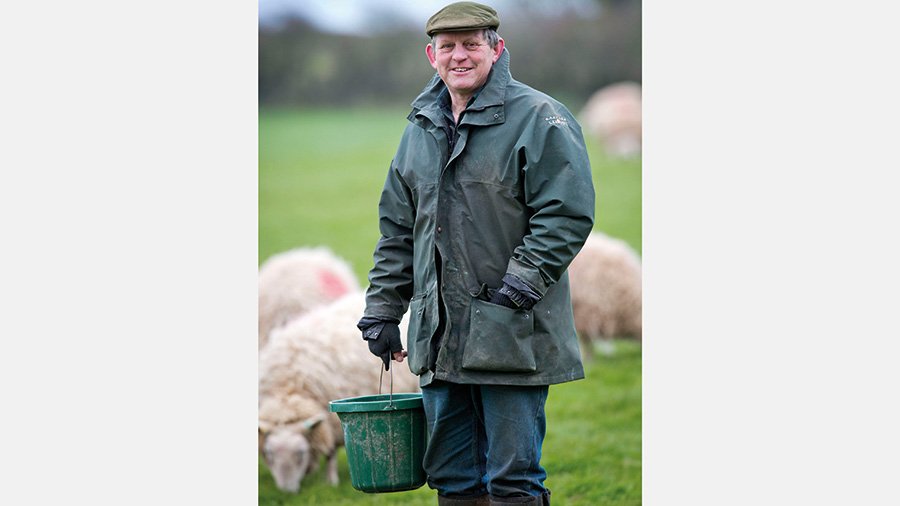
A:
{"points": [[488, 34]]}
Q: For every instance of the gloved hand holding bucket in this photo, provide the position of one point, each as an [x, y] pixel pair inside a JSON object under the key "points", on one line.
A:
{"points": [[384, 434], [384, 340]]}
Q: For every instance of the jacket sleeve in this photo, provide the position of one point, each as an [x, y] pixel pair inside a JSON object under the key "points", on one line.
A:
{"points": [[391, 277], [559, 191]]}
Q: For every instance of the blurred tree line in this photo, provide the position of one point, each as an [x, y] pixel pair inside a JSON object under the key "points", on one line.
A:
{"points": [[566, 55]]}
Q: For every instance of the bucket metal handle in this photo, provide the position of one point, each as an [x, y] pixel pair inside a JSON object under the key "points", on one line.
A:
{"points": [[391, 396]]}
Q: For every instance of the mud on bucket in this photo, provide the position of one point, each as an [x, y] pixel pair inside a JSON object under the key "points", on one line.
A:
{"points": [[385, 440]]}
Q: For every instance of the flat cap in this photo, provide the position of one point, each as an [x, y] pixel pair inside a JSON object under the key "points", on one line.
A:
{"points": [[462, 16]]}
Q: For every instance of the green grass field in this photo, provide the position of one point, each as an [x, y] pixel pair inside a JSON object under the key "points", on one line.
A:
{"points": [[320, 176]]}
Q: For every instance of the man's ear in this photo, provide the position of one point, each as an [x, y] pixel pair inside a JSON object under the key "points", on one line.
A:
{"points": [[432, 58], [499, 49]]}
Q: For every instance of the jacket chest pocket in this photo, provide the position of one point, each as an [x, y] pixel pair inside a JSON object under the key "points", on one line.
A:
{"points": [[486, 171], [500, 339]]}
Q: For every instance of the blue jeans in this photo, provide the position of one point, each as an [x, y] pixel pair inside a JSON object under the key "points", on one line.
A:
{"points": [[485, 439]]}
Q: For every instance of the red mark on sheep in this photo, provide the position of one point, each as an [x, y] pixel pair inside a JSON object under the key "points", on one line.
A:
{"points": [[332, 285]]}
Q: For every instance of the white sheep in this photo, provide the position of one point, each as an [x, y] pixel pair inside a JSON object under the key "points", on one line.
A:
{"points": [[314, 359], [605, 280], [613, 116], [293, 282]]}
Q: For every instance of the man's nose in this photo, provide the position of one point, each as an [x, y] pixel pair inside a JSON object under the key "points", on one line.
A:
{"points": [[459, 53]]}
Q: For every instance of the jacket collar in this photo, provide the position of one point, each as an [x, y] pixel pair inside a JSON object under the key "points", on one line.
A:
{"points": [[487, 109]]}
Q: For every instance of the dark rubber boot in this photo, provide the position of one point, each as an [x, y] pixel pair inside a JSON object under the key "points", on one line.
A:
{"points": [[535, 500], [532, 500], [481, 500]]}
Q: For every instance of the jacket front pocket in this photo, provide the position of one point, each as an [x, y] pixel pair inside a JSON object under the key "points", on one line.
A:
{"points": [[500, 339], [418, 335]]}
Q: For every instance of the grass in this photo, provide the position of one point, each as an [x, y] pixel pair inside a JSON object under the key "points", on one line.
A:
{"points": [[592, 452], [320, 177], [321, 173]]}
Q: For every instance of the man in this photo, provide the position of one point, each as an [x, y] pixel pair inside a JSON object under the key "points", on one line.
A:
{"points": [[486, 202]]}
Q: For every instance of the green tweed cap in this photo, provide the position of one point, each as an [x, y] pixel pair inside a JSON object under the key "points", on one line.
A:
{"points": [[462, 16]]}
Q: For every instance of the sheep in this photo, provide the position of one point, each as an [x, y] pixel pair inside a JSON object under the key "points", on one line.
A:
{"points": [[613, 116], [605, 283], [295, 281], [314, 359]]}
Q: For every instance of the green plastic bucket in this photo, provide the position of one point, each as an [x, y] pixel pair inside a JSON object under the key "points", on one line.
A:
{"points": [[385, 440]]}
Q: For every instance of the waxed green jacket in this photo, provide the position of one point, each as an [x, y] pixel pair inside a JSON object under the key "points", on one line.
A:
{"points": [[515, 196]]}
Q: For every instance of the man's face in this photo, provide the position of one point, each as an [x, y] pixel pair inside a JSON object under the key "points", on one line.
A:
{"points": [[463, 60]]}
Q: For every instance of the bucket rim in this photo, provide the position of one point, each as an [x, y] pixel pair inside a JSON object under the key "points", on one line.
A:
{"points": [[380, 402]]}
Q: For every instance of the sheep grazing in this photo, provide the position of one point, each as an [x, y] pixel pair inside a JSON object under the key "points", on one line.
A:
{"points": [[295, 281], [613, 116], [291, 446], [605, 280], [314, 359]]}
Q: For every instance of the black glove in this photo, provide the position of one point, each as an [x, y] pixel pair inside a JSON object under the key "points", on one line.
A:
{"points": [[511, 298], [384, 341]]}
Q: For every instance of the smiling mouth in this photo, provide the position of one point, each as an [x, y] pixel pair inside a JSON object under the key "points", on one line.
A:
{"points": [[461, 69]]}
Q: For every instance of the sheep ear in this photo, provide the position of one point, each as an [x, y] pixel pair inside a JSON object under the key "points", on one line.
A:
{"points": [[264, 428], [311, 422]]}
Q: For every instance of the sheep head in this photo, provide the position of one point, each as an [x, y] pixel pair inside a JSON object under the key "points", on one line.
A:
{"points": [[287, 451]]}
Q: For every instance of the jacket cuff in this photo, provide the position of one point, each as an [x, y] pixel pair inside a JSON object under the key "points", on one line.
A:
{"points": [[529, 275]]}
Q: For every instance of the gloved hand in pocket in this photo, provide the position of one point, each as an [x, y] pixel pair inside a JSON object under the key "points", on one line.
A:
{"points": [[510, 297]]}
